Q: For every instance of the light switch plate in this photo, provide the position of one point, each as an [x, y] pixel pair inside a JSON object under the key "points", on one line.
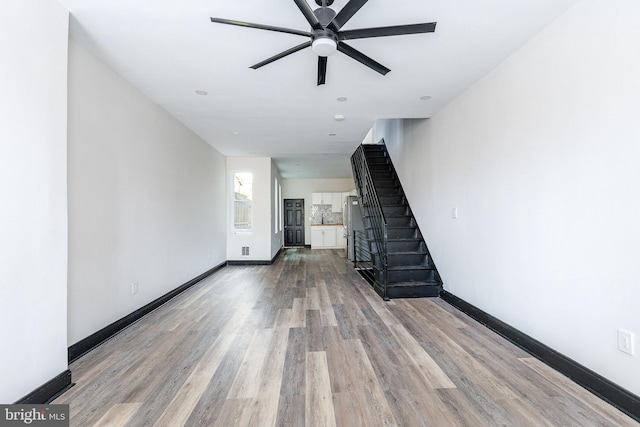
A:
{"points": [[625, 341]]}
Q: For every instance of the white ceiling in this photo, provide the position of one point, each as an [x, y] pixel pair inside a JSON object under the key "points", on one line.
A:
{"points": [[169, 49]]}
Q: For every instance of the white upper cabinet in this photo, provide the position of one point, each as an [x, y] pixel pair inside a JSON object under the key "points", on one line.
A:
{"points": [[321, 198], [336, 200]]}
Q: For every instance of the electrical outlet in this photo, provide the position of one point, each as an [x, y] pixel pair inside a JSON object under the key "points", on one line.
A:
{"points": [[625, 341], [134, 288]]}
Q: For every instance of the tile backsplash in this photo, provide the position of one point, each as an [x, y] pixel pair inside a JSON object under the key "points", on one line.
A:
{"points": [[321, 214]]}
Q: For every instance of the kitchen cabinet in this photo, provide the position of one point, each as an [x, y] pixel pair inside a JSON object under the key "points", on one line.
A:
{"points": [[341, 239], [327, 236], [321, 198], [336, 200]]}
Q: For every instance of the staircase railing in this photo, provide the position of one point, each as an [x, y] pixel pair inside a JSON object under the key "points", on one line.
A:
{"points": [[362, 257], [375, 220]]}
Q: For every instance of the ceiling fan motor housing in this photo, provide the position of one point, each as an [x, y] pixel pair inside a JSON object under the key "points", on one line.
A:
{"points": [[325, 15], [325, 33]]}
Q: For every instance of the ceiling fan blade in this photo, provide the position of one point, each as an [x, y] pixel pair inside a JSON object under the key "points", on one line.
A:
{"points": [[281, 55], [396, 30], [362, 58], [308, 13], [261, 27], [322, 69], [346, 13]]}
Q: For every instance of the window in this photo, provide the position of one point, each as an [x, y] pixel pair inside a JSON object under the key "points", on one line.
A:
{"points": [[242, 201], [276, 205], [280, 204]]}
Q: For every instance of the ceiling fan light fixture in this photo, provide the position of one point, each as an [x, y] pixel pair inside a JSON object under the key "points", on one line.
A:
{"points": [[324, 46]]}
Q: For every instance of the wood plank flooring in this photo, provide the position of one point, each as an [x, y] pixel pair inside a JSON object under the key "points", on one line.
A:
{"points": [[306, 342]]}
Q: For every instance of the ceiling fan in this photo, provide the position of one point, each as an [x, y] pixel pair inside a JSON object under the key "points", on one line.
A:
{"points": [[326, 37]]}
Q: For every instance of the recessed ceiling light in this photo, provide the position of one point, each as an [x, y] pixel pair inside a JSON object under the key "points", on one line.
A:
{"points": [[235, 132], [339, 117], [342, 99], [202, 92], [425, 98]]}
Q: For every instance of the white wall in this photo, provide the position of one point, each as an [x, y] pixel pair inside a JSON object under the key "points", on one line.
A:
{"points": [[146, 199], [259, 239], [541, 158], [302, 189], [33, 211], [277, 235]]}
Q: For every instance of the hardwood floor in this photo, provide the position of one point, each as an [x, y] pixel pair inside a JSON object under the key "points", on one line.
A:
{"points": [[306, 342]]}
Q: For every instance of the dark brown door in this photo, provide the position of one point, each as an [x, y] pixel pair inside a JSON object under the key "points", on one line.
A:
{"points": [[294, 222]]}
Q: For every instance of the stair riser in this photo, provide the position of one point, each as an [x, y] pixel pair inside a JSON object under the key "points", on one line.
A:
{"points": [[407, 276], [373, 161], [380, 166], [390, 184], [377, 156], [419, 260], [402, 233], [400, 221], [412, 276], [372, 149], [407, 246], [414, 292], [389, 191], [377, 176], [395, 210], [379, 169], [407, 260], [391, 200]]}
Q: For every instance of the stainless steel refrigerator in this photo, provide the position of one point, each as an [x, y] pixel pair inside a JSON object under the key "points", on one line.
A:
{"points": [[352, 221]]}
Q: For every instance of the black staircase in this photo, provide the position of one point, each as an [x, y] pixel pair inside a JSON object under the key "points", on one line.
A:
{"points": [[395, 259]]}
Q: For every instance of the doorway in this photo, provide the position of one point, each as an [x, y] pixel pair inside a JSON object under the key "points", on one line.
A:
{"points": [[294, 222]]}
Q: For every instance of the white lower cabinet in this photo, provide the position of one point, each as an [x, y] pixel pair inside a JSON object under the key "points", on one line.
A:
{"points": [[341, 240], [326, 236]]}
